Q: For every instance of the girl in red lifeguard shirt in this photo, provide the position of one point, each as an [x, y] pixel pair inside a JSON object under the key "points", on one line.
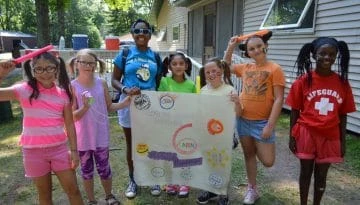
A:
{"points": [[319, 99]]}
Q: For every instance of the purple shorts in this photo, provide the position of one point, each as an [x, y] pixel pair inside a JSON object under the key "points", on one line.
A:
{"points": [[101, 156], [41, 161]]}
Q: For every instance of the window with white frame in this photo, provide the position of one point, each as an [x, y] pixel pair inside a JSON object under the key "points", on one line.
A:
{"points": [[290, 14], [176, 33]]}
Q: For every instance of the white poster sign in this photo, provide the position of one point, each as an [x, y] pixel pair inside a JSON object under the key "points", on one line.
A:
{"points": [[184, 139]]}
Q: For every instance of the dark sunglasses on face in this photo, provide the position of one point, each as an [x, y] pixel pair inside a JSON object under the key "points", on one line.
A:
{"points": [[144, 31], [86, 63], [48, 69]]}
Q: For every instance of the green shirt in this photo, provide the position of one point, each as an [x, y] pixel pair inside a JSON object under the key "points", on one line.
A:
{"points": [[170, 85]]}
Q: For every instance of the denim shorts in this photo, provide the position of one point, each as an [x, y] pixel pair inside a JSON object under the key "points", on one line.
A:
{"points": [[124, 114], [253, 128]]}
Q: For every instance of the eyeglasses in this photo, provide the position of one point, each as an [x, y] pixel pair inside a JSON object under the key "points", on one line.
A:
{"points": [[86, 63], [145, 31], [48, 69]]}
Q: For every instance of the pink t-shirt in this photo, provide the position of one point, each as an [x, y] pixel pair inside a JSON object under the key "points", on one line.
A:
{"points": [[43, 120]]}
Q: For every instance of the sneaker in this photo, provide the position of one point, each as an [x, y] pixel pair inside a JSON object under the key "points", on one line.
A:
{"points": [[131, 190], [183, 191], [155, 190], [224, 200], [251, 196], [171, 189], [205, 196]]}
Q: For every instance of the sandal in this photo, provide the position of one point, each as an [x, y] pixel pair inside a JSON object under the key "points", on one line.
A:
{"points": [[111, 200]]}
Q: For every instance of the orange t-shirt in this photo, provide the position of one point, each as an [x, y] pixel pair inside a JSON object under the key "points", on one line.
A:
{"points": [[257, 95]]}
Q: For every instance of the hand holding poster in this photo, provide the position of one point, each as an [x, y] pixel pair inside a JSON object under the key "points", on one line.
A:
{"points": [[181, 138]]}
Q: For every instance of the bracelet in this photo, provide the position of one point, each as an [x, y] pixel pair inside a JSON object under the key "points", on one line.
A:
{"points": [[123, 89]]}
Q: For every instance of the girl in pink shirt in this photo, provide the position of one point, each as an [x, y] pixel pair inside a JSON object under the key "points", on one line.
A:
{"points": [[47, 125]]}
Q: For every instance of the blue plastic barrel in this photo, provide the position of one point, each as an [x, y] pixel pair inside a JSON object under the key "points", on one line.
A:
{"points": [[80, 41]]}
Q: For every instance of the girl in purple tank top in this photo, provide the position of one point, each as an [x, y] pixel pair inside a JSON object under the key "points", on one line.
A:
{"points": [[92, 103]]}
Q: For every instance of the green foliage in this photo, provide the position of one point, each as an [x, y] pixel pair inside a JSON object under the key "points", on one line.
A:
{"points": [[119, 4], [94, 36], [353, 152]]}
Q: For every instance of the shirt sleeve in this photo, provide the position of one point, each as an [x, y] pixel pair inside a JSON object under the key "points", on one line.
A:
{"points": [[118, 60], [295, 96], [162, 86], [278, 76], [238, 69], [348, 104]]}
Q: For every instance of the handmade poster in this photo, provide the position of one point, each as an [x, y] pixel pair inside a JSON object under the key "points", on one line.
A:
{"points": [[181, 138]]}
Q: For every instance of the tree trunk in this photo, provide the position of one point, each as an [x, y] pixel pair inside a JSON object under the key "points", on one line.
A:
{"points": [[42, 17], [61, 17]]}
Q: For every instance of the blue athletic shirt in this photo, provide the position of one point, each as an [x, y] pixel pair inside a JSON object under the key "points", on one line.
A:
{"points": [[141, 68]]}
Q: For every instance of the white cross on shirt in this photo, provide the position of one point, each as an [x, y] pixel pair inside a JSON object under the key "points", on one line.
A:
{"points": [[324, 106]]}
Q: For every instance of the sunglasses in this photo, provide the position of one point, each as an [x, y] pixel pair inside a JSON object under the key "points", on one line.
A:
{"points": [[144, 31]]}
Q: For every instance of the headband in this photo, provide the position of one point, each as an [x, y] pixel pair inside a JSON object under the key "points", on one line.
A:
{"points": [[32, 54], [317, 43]]}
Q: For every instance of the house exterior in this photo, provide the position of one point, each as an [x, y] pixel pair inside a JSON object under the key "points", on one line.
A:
{"points": [[212, 22], [172, 26], [10, 40]]}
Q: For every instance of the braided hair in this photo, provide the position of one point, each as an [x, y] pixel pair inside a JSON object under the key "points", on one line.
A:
{"points": [[304, 64]]}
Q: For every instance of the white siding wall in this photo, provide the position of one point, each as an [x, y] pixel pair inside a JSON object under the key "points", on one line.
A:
{"points": [[170, 16], [339, 19]]}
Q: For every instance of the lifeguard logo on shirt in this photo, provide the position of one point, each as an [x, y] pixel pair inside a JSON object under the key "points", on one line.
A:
{"points": [[142, 102], [167, 102]]}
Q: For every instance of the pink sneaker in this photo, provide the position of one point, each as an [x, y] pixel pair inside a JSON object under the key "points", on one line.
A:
{"points": [[171, 189], [183, 191], [251, 196]]}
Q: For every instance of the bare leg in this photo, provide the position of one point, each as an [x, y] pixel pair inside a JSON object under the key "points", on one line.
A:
{"points": [[307, 167], [89, 189], [320, 174], [107, 185], [266, 153], [68, 182], [127, 132], [249, 149], [44, 187]]}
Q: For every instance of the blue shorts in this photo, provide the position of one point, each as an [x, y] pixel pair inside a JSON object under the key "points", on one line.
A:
{"points": [[254, 129], [124, 114]]}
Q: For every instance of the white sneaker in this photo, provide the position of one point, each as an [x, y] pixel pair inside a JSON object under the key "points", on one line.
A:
{"points": [[251, 196], [155, 190]]}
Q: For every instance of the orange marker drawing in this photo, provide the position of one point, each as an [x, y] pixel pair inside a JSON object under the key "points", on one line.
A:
{"points": [[215, 127]]}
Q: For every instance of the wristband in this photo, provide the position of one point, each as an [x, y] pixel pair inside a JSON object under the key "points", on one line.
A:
{"points": [[123, 89]]}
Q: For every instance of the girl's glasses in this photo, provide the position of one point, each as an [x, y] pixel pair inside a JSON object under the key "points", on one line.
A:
{"points": [[86, 63], [141, 30], [48, 69]]}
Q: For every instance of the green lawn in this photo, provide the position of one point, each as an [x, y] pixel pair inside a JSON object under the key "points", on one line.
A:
{"points": [[16, 189]]}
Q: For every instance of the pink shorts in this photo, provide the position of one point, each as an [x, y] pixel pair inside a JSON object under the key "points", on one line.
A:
{"points": [[41, 161], [315, 146]]}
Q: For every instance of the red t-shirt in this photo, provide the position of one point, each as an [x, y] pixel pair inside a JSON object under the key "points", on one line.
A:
{"points": [[321, 103]]}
